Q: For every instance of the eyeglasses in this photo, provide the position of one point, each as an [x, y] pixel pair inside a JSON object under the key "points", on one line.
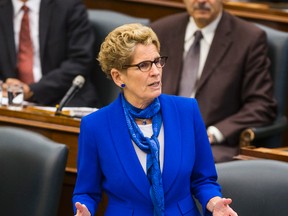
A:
{"points": [[147, 65]]}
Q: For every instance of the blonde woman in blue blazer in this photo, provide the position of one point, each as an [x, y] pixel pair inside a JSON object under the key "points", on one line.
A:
{"points": [[149, 152]]}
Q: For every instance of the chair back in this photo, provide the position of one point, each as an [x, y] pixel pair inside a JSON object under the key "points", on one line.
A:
{"points": [[103, 22], [32, 169], [271, 136], [278, 54], [257, 187]]}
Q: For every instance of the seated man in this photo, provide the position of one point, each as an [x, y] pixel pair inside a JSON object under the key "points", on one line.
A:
{"points": [[232, 83], [57, 48]]}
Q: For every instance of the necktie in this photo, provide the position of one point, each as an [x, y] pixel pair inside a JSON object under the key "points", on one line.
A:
{"points": [[25, 52], [190, 67]]}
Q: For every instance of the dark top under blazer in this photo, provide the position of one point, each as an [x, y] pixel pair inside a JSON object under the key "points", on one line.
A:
{"points": [[107, 160], [235, 90], [66, 43]]}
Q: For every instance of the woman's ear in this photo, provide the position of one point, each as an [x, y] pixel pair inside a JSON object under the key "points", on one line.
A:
{"points": [[117, 77]]}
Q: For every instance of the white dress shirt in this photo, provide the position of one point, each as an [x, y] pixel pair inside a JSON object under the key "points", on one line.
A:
{"points": [[142, 156], [208, 33]]}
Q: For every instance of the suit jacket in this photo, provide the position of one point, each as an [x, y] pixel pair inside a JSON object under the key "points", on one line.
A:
{"points": [[235, 90], [66, 41], [107, 161]]}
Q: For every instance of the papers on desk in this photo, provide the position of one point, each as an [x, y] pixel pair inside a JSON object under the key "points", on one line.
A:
{"points": [[4, 102], [74, 112]]}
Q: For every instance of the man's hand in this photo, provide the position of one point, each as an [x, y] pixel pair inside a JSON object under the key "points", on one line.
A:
{"points": [[12, 81]]}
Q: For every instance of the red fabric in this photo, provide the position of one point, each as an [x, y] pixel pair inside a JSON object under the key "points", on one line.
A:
{"points": [[25, 52]]}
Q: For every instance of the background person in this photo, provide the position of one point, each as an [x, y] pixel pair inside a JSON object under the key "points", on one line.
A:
{"points": [[233, 85], [59, 47], [149, 152]]}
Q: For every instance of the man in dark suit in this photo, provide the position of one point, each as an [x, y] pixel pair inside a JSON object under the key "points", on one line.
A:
{"points": [[234, 88], [62, 49]]}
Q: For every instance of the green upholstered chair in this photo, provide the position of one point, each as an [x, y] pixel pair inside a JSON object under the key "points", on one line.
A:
{"points": [[32, 169], [271, 135], [257, 187]]}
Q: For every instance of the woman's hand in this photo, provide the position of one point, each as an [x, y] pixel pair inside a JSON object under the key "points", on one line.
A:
{"points": [[82, 210], [220, 207]]}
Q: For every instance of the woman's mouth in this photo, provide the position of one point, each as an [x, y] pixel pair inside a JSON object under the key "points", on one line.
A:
{"points": [[154, 84]]}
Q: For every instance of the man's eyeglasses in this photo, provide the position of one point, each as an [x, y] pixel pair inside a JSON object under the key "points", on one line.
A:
{"points": [[147, 65]]}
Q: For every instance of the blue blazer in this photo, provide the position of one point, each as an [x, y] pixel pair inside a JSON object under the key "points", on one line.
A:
{"points": [[107, 162]]}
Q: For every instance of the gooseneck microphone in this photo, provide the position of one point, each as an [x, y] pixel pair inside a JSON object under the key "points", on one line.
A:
{"points": [[77, 84]]}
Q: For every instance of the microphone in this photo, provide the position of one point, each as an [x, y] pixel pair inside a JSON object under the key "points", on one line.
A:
{"points": [[77, 84]]}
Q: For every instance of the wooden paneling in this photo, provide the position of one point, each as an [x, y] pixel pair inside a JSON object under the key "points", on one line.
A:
{"points": [[153, 10], [273, 15]]}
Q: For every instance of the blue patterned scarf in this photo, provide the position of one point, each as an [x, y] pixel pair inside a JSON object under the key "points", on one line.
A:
{"points": [[149, 146]]}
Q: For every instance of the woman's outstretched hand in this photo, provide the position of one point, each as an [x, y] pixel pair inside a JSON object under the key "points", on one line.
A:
{"points": [[222, 208], [82, 210]]}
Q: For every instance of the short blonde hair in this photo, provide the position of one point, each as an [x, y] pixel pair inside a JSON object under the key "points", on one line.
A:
{"points": [[119, 45]]}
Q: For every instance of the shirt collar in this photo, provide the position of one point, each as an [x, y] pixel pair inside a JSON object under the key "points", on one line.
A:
{"points": [[207, 32], [33, 5]]}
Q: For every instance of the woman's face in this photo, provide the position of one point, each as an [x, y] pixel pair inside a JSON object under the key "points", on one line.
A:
{"points": [[141, 88]]}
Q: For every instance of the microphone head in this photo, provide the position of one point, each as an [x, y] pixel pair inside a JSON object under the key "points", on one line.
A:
{"points": [[79, 81]]}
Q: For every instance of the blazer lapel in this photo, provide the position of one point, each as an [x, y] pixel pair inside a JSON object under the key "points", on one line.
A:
{"points": [[172, 141], [221, 42], [44, 23], [124, 147], [176, 41], [6, 12]]}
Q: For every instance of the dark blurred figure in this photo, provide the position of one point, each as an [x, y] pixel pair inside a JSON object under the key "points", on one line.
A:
{"points": [[58, 48]]}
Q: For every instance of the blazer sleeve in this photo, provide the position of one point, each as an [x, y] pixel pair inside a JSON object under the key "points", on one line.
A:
{"points": [[88, 185], [203, 178], [258, 103]]}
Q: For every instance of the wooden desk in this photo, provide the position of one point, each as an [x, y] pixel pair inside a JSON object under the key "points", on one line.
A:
{"points": [[60, 129], [251, 152]]}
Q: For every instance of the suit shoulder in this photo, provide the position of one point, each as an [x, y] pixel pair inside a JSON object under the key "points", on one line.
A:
{"points": [[98, 117], [170, 21], [68, 4], [247, 27], [173, 18]]}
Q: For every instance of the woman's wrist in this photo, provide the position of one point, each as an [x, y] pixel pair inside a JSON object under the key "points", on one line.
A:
{"points": [[212, 203]]}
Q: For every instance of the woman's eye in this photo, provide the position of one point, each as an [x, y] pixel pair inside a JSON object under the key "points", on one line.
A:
{"points": [[144, 65]]}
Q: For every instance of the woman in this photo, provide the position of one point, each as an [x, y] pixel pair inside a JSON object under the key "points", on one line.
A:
{"points": [[148, 152]]}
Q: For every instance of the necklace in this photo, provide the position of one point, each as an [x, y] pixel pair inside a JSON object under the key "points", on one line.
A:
{"points": [[143, 121]]}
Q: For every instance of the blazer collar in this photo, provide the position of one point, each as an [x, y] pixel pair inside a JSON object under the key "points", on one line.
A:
{"points": [[172, 139], [124, 147]]}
